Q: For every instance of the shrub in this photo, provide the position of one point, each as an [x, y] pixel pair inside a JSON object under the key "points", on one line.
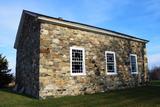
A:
{"points": [[5, 76], [155, 73]]}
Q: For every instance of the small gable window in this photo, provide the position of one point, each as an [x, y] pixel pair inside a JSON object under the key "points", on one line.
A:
{"points": [[110, 62], [77, 61]]}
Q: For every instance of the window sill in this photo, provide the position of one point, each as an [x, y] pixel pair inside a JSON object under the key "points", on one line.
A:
{"points": [[111, 73], [78, 74], [134, 72]]}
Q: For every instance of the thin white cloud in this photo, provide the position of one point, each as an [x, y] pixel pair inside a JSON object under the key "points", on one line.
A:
{"points": [[153, 7], [100, 11], [154, 48], [12, 65], [154, 60], [9, 17]]}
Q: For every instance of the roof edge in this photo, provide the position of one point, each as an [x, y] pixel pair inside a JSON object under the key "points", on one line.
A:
{"points": [[24, 12], [72, 24], [89, 28]]}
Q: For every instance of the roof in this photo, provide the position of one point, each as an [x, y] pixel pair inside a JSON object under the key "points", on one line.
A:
{"points": [[78, 25]]}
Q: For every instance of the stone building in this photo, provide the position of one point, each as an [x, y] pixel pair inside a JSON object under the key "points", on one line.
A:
{"points": [[56, 57]]}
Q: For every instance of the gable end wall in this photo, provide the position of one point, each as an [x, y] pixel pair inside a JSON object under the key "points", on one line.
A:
{"points": [[27, 61]]}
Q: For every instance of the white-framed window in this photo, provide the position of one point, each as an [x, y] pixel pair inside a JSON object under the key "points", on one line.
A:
{"points": [[77, 61], [110, 63], [133, 64]]}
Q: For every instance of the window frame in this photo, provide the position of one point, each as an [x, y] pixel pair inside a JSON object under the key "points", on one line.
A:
{"points": [[115, 65], [83, 62], [131, 64]]}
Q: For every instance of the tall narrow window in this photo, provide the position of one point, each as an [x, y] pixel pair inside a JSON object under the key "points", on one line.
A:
{"points": [[77, 61], [110, 62], [133, 64]]}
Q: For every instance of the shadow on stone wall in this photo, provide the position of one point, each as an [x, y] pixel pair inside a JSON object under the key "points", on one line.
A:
{"points": [[27, 62]]}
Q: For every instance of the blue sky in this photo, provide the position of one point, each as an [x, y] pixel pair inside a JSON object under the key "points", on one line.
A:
{"points": [[135, 17]]}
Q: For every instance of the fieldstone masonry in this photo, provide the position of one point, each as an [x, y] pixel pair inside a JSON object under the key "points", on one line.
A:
{"points": [[43, 60], [27, 62]]}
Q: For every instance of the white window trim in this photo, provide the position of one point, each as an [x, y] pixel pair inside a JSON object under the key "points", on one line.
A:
{"points": [[115, 68], [83, 52], [136, 64]]}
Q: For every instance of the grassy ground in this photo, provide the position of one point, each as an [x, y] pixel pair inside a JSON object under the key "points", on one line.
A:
{"points": [[155, 82], [137, 97]]}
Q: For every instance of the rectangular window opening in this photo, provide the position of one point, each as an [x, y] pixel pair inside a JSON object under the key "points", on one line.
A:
{"points": [[77, 61], [133, 64], [110, 62]]}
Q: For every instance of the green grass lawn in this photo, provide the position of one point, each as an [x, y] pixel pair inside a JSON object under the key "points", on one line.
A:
{"points": [[155, 82], [136, 97]]}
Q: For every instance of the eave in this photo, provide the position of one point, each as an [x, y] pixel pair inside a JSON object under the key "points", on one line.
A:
{"points": [[72, 24]]}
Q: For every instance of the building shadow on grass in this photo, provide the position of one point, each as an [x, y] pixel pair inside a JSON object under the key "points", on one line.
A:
{"points": [[11, 91]]}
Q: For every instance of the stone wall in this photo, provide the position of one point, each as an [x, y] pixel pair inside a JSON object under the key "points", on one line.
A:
{"points": [[54, 65], [27, 62]]}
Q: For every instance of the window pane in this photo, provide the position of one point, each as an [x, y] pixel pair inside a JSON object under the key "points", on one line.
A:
{"points": [[133, 67], [77, 55], [110, 57], [77, 67], [133, 59], [110, 67]]}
